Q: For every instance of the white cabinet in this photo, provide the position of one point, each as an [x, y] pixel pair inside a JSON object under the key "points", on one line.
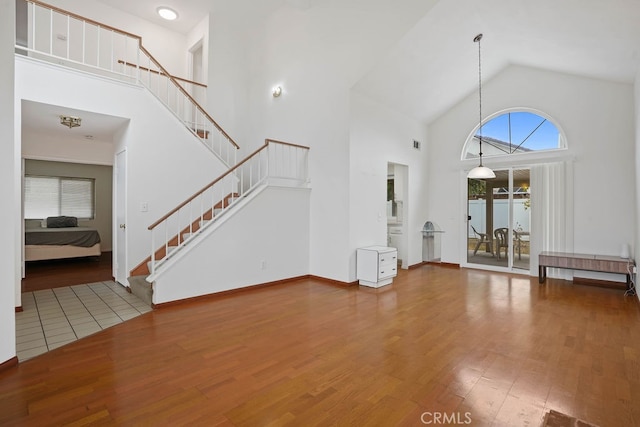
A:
{"points": [[376, 265]]}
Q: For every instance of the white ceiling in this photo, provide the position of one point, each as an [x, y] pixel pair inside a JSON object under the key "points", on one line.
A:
{"points": [[45, 119], [190, 12], [435, 65]]}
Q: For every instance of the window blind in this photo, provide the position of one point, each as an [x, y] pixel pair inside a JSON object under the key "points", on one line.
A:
{"points": [[46, 196]]}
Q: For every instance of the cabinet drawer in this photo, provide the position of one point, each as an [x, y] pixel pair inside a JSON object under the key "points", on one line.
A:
{"points": [[387, 271], [388, 258]]}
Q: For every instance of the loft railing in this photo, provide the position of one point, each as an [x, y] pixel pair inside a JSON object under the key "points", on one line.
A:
{"points": [[196, 89], [48, 33], [279, 161]]}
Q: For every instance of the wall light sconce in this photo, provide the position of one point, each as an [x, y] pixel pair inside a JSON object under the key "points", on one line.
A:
{"points": [[277, 91], [70, 121], [167, 13]]}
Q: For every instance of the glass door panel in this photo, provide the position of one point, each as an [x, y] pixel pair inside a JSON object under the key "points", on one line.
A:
{"points": [[521, 218], [499, 214], [479, 235], [499, 189]]}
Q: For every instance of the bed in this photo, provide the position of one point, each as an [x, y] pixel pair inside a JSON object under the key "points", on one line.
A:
{"points": [[60, 239]]}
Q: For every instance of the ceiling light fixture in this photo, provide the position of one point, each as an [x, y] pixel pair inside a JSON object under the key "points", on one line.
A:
{"points": [[480, 171], [277, 91], [167, 13], [70, 121]]}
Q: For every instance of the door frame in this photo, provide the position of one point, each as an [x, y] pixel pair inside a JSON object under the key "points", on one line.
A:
{"points": [[465, 226], [120, 272]]}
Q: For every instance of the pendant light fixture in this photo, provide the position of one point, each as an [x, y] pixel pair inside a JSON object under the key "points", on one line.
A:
{"points": [[480, 171]]}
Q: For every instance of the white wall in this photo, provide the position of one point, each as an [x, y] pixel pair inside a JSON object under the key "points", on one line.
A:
{"points": [[597, 117], [227, 77], [165, 163], [10, 188], [313, 111], [43, 146], [378, 136], [636, 242], [316, 55], [260, 243]]}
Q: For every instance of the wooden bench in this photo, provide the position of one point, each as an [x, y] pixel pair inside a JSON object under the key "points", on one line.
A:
{"points": [[600, 263]]}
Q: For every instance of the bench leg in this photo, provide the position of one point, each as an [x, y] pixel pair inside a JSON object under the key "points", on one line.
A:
{"points": [[542, 273]]}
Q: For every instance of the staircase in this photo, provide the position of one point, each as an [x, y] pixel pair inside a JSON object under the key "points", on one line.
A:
{"points": [[274, 163], [64, 38], [139, 281]]}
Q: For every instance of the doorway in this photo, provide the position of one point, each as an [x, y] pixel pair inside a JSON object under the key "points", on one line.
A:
{"points": [[397, 191], [197, 73], [499, 221], [83, 193]]}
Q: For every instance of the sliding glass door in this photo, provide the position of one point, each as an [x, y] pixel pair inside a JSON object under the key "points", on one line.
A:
{"points": [[499, 218]]}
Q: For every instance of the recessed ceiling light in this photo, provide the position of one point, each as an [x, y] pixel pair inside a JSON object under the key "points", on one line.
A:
{"points": [[167, 13]]}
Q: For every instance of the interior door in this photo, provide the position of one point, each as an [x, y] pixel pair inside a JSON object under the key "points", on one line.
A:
{"points": [[120, 255]]}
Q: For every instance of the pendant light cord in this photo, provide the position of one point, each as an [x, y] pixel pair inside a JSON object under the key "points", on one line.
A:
{"points": [[477, 39]]}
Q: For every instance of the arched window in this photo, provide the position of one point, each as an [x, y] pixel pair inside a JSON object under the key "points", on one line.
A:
{"points": [[515, 132]]}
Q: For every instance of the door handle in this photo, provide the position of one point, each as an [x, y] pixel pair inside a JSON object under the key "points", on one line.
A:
{"points": [[123, 226]]}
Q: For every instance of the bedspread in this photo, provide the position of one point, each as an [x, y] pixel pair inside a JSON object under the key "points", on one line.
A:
{"points": [[74, 236]]}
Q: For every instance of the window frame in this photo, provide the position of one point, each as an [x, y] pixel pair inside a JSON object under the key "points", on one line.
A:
{"points": [[563, 145], [60, 206]]}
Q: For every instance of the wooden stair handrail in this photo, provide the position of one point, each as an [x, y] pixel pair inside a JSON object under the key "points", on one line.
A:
{"points": [[131, 64], [169, 76], [194, 226], [185, 93], [212, 183], [205, 188], [268, 140]]}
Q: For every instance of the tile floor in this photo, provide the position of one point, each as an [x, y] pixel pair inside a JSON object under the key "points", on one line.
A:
{"points": [[54, 317]]}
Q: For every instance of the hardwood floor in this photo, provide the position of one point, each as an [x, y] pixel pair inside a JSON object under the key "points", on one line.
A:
{"points": [[488, 348], [51, 274]]}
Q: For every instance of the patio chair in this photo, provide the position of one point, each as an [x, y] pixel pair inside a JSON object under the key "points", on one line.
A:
{"points": [[483, 238], [502, 241], [520, 241]]}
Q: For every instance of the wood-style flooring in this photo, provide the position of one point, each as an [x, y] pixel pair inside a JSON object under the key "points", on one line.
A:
{"points": [[482, 347], [49, 274]]}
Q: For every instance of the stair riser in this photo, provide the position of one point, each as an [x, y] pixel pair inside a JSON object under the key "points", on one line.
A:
{"points": [[141, 288]]}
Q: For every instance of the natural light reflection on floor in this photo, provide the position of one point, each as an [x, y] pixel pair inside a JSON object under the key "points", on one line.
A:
{"points": [[497, 291]]}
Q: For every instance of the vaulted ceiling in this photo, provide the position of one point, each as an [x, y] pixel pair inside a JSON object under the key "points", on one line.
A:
{"points": [[434, 65]]}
